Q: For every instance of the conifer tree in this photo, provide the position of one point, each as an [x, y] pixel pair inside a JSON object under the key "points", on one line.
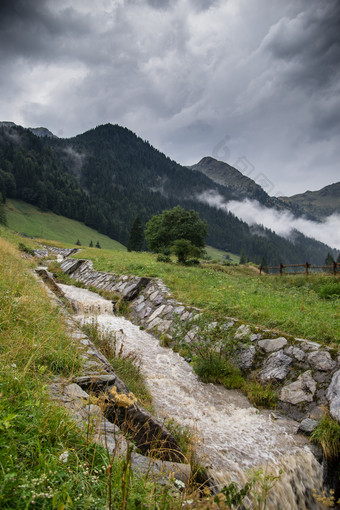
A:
{"points": [[91, 244], [98, 245], [243, 257], [329, 260], [3, 219], [136, 237]]}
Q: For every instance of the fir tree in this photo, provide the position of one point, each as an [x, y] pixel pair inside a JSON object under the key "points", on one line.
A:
{"points": [[78, 243], [136, 236], [3, 219], [243, 257], [91, 244], [328, 260], [98, 245]]}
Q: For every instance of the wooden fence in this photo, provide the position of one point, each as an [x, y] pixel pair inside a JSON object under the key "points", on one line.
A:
{"points": [[308, 268]]}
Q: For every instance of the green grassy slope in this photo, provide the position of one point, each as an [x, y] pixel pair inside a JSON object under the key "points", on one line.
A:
{"points": [[292, 304], [219, 255], [24, 218], [34, 431]]}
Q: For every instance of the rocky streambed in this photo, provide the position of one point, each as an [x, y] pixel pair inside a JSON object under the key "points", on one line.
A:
{"points": [[232, 436]]}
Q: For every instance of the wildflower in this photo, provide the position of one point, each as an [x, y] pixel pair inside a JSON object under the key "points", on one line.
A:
{"points": [[179, 484], [64, 456]]}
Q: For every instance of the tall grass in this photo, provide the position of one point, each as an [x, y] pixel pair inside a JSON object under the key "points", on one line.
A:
{"points": [[126, 365], [46, 461]]}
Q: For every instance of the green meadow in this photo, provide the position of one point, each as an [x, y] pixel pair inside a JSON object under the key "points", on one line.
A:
{"points": [[306, 307], [24, 218]]}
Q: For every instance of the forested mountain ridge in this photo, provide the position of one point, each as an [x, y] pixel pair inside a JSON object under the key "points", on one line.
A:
{"points": [[108, 175]]}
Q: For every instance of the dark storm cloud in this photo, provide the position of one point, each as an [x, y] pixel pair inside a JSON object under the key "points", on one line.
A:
{"points": [[33, 31], [185, 74], [310, 44]]}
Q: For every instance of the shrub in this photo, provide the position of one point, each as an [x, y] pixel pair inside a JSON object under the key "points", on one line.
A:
{"points": [[330, 289], [217, 369], [25, 249], [163, 258]]}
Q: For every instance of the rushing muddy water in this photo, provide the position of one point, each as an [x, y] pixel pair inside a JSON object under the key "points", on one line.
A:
{"points": [[232, 436]]}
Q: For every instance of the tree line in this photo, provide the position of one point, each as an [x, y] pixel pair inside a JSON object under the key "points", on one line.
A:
{"points": [[108, 176]]}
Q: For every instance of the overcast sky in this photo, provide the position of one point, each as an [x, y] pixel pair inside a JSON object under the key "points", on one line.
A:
{"points": [[255, 83]]}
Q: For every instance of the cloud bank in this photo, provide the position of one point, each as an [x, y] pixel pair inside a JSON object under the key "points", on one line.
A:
{"points": [[282, 222], [184, 74]]}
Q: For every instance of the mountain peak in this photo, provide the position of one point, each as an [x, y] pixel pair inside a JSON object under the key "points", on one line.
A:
{"points": [[38, 131], [226, 175]]}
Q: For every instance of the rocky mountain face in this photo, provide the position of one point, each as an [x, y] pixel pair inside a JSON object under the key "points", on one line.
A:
{"points": [[231, 178], [42, 131], [319, 204], [38, 131]]}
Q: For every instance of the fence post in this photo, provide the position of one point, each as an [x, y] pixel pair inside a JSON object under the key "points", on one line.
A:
{"points": [[281, 269], [260, 268], [307, 265], [334, 267]]}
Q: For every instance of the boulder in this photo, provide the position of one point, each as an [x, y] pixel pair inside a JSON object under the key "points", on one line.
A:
{"points": [[246, 357], [302, 390], [273, 344], [333, 396], [307, 426], [321, 360], [73, 390], [276, 367], [295, 352]]}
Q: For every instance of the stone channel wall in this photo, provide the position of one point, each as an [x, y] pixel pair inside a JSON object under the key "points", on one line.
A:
{"points": [[305, 374], [99, 417]]}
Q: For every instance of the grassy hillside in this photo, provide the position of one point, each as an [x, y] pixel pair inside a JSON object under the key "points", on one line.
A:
{"points": [[36, 433], [25, 218], [220, 256], [305, 307]]}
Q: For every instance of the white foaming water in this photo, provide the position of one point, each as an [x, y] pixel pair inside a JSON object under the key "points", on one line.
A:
{"points": [[233, 436], [86, 302]]}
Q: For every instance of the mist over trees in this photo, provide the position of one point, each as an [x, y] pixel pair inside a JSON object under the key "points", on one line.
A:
{"points": [[108, 176]]}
